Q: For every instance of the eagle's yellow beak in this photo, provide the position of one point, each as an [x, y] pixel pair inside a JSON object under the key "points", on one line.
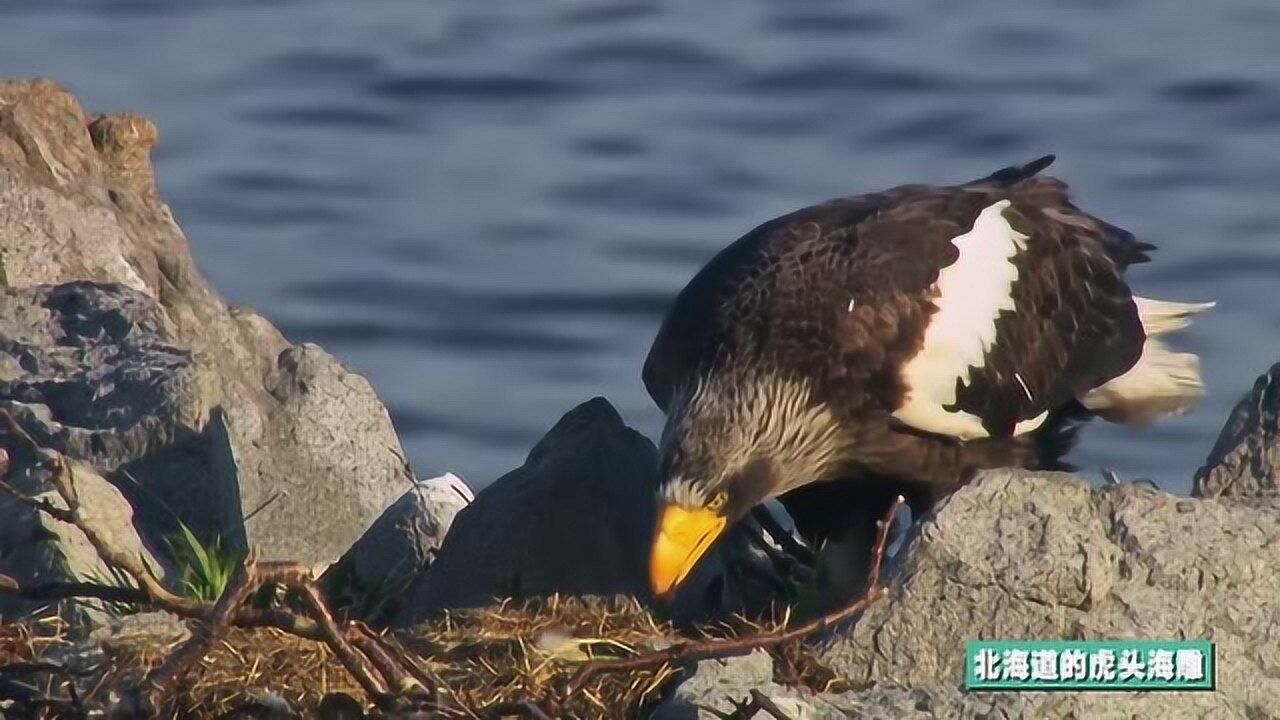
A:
{"points": [[683, 536]]}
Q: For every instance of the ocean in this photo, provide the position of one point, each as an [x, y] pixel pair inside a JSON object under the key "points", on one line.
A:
{"points": [[486, 207]]}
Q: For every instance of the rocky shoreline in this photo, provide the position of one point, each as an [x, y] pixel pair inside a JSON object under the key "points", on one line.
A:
{"points": [[178, 410]]}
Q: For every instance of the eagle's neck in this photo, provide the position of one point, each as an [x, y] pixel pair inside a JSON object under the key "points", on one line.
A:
{"points": [[738, 416]]}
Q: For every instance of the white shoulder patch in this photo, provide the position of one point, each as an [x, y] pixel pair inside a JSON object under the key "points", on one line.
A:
{"points": [[970, 294]]}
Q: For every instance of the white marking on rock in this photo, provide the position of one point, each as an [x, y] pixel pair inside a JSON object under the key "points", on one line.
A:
{"points": [[969, 295], [851, 304]]}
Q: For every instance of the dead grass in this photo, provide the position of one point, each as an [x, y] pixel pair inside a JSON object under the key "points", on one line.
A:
{"points": [[474, 661], [516, 653], [479, 663], [239, 670]]}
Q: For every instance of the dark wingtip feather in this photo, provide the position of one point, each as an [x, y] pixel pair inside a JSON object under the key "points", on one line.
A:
{"points": [[1040, 163], [1018, 173], [1123, 247]]}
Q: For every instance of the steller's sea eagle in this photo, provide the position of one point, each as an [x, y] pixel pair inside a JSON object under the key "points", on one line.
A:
{"points": [[896, 343]]}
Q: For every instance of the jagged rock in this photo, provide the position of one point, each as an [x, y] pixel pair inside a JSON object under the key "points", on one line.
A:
{"points": [[1021, 555], [89, 362], [86, 370], [238, 413], [1245, 461], [70, 210], [36, 549], [87, 653], [576, 518], [400, 544]]}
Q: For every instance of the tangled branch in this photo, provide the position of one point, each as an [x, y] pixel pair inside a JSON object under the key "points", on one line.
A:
{"points": [[359, 650]]}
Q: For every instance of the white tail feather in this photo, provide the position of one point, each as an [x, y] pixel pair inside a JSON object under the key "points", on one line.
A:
{"points": [[1161, 316], [1162, 381]]}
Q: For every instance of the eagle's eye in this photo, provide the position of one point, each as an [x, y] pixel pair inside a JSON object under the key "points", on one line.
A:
{"points": [[718, 501]]}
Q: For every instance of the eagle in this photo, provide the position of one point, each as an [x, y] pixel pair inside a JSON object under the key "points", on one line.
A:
{"points": [[896, 343]]}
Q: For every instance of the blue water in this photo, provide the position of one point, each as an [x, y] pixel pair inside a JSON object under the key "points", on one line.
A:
{"points": [[484, 207]]}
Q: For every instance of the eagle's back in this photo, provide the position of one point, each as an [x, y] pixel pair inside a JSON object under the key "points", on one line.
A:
{"points": [[967, 310]]}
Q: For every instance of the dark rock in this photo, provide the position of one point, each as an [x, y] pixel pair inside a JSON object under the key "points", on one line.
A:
{"points": [[270, 706], [1245, 461], [340, 706], [577, 518]]}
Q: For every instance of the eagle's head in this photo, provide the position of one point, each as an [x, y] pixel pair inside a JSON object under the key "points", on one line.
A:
{"points": [[732, 442]]}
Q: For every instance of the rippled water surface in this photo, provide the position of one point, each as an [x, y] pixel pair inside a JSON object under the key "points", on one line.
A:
{"points": [[485, 207]]}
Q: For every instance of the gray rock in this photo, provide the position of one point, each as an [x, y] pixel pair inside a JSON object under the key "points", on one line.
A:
{"points": [[1245, 461], [80, 204], [227, 410], [1020, 555], [576, 518], [85, 654], [90, 364], [718, 684], [924, 701], [400, 544], [330, 454], [36, 549], [160, 627], [86, 369]]}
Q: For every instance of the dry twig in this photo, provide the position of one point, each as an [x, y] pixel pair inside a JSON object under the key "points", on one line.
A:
{"points": [[159, 682], [750, 708], [378, 673], [690, 652]]}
